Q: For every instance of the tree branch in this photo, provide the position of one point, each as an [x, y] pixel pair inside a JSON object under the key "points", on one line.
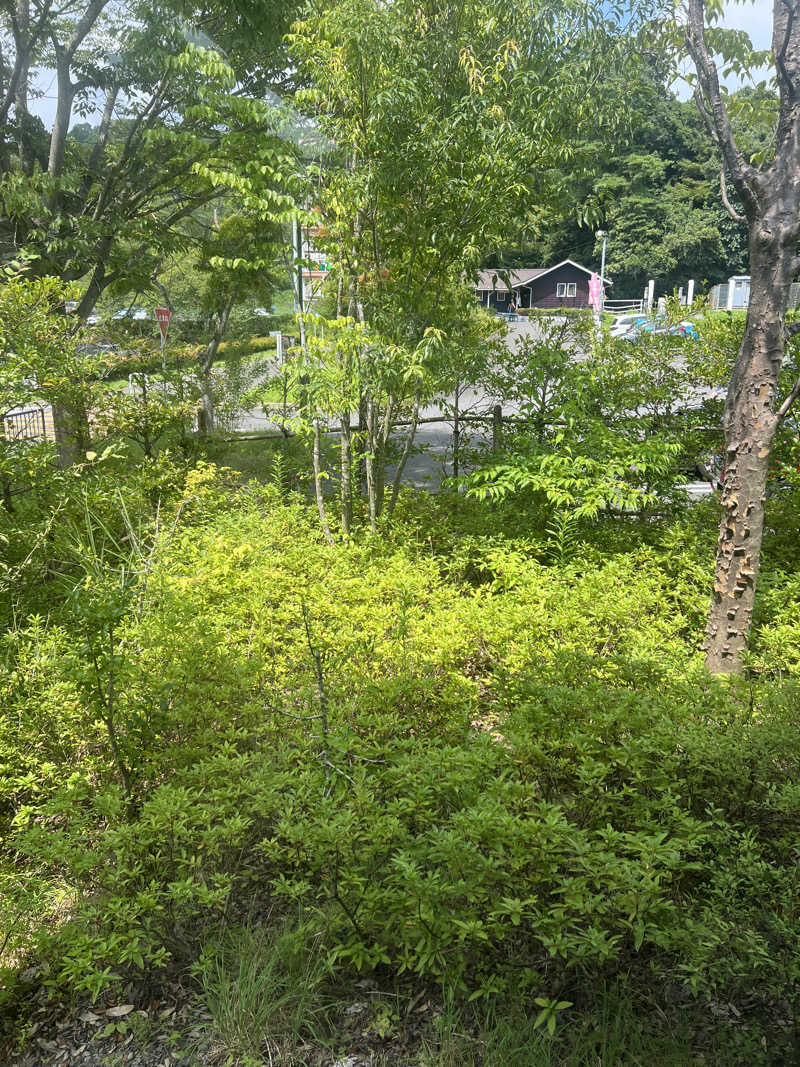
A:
{"points": [[790, 399], [780, 53], [723, 191], [705, 114], [85, 24], [745, 177]]}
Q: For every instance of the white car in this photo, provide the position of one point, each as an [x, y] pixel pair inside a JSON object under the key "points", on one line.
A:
{"points": [[623, 324]]}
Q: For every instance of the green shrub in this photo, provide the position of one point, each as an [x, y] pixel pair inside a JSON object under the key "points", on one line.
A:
{"points": [[499, 768]]}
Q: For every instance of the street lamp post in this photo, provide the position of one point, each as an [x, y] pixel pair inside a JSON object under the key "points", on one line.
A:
{"points": [[604, 235]]}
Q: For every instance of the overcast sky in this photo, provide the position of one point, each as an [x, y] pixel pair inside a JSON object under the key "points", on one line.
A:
{"points": [[754, 17]]}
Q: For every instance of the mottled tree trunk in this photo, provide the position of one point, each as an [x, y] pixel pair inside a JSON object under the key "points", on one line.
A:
{"points": [[63, 116], [72, 434], [753, 412], [21, 113], [751, 422]]}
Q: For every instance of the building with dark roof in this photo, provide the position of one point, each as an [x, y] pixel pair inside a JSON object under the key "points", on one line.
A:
{"points": [[564, 285]]}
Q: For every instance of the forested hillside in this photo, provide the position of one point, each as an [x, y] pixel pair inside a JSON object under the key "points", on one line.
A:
{"points": [[657, 194]]}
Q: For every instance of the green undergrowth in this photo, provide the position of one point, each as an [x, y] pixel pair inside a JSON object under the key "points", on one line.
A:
{"points": [[247, 347], [486, 763]]}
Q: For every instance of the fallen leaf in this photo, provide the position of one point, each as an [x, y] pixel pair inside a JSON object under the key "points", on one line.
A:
{"points": [[119, 1011], [89, 1017]]}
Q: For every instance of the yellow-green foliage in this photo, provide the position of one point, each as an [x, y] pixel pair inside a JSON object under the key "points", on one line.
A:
{"points": [[507, 772], [249, 347]]}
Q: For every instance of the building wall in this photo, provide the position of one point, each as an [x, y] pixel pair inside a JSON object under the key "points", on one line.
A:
{"points": [[497, 300], [541, 293], [543, 290]]}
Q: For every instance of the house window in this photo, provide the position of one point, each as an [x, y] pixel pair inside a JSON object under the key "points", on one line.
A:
{"points": [[572, 288], [566, 289]]}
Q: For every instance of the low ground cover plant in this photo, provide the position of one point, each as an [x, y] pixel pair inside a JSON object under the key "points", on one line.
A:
{"points": [[457, 757]]}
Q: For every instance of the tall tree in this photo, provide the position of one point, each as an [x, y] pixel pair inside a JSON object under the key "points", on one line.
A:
{"points": [[108, 210], [444, 123], [769, 192]]}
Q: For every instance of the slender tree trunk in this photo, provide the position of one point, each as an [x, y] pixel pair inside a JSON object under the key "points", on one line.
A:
{"points": [[66, 97], [363, 445], [456, 431], [21, 113], [401, 466], [323, 518], [99, 149], [345, 489], [497, 428], [346, 454], [68, 437], [145, 442], [206, 416], [8, 499], [369, 456], [750, 426], [97, 282]]}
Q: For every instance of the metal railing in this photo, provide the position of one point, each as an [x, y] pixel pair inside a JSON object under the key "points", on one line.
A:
{"points": [[25, 425], [618, 307]]}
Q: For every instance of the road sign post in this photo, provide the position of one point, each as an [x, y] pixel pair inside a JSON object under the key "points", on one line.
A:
{"points": [[163, 315]]}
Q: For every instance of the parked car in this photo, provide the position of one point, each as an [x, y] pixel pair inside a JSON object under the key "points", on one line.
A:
{"points": [[659, 327], [643, 326], [686, 328], [623, 324]]}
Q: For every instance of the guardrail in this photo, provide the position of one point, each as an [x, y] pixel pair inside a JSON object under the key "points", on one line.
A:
{"points": [[619, 307]]}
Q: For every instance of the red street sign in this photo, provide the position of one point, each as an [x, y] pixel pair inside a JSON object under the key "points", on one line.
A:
{"points": [[163, 315]]}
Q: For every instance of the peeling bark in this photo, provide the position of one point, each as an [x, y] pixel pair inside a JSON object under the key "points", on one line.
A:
{"points": [[750, 427], [753, 411]]}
